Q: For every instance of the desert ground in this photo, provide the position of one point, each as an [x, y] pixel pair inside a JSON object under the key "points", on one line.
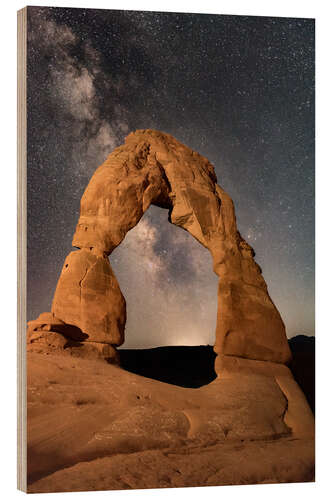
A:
{"points": [[95, 426]]}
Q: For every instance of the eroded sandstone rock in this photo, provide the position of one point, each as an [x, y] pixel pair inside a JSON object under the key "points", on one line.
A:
{"points": [[50, 342], [48, 322], [154, 168], [88, 296]]}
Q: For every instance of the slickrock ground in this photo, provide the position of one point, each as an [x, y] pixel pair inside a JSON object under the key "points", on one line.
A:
{"points": [[94, 426]]}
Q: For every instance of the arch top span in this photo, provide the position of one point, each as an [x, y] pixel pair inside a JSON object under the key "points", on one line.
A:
{"points": [[152, 167]]}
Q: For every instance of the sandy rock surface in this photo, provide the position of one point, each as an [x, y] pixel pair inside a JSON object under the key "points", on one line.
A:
{"points": [[92, 425]]}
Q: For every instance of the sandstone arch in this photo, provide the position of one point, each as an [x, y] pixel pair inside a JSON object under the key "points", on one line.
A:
{"points": [[154, 168]]}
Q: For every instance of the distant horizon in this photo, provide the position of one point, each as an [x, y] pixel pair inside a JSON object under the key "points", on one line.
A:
{"points": [[120, 348]]}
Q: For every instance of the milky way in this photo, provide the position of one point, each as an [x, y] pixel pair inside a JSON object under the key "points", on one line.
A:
{"points": [[239, 90]]}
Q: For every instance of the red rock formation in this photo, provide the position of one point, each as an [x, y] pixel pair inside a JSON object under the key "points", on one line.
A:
{"points": [[154, 168]]}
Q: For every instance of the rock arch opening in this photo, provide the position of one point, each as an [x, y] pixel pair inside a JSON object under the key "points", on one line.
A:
{"points": [[170, 288], [153, 168], [171, 322]]}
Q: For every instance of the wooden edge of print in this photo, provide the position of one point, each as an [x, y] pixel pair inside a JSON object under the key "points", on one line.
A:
{"points": [[21, 247]]}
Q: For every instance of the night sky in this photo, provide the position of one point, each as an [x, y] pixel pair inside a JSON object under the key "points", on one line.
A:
{"points": [[239, 90]]}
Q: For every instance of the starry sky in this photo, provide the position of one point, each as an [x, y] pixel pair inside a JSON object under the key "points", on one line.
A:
{"points": [[239, 90]]}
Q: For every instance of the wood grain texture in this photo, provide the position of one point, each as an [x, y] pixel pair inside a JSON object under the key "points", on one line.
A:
{"points": [[21, 246]]}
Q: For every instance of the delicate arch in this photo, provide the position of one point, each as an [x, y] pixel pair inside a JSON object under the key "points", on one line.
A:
{"points": [[154, 168]]}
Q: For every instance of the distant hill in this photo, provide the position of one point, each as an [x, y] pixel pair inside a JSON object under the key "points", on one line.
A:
{"points": [[187, 366], [303, 365]]}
